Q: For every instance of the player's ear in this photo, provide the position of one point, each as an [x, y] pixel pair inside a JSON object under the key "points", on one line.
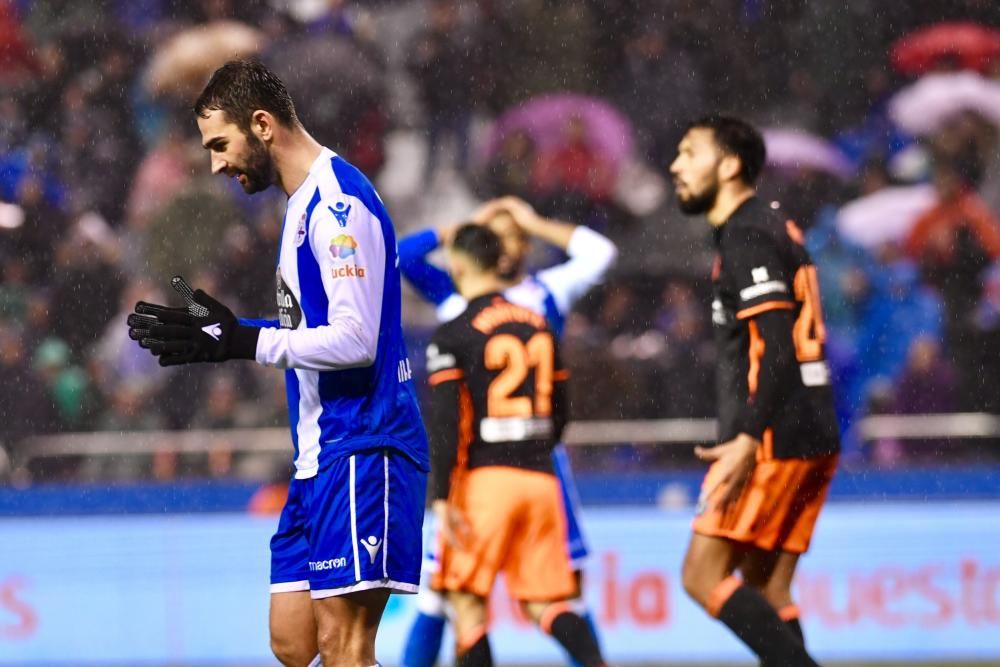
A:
{"points": [[456, 269], [729, 167], [262, 125]]}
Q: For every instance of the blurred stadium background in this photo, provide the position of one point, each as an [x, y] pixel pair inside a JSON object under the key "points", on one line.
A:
{"points": [[136, 504]]}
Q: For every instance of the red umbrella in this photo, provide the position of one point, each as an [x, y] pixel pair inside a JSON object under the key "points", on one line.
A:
{"points": [[16, 60], [971, 45]]}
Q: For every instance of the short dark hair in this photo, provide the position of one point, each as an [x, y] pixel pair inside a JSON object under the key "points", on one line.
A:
{"points": [[737, 137], [241, 87], [480, 243]]}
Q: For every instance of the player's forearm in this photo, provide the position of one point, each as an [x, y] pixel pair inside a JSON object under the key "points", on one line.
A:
{"points": [[340, 345], [431, 282], [774, 374], [591, 256], [551, 231], [598, 251]]}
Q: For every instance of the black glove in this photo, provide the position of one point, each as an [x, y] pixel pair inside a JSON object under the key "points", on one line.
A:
{"points": [[205, 330]]}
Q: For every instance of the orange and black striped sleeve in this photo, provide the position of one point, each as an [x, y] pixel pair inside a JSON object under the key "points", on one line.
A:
{"points": [[771, 372], [442, 419]]}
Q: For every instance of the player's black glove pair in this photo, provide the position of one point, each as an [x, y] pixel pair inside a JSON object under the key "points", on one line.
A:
{"points": [[204, 330]]}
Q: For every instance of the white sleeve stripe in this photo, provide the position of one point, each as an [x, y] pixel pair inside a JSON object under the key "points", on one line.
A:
{"points": [[591, 255]]}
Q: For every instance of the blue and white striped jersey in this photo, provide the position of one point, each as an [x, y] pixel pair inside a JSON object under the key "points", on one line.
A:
{"points": [[339, 336]]}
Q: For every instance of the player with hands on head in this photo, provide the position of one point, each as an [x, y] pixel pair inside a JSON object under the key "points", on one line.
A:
{"points": [[550, 292], [496, 409]]}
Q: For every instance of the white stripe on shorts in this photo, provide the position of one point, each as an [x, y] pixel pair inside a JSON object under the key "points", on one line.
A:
{"points": [[389, 584], [354, 527], [290, 587], [385, 529]]}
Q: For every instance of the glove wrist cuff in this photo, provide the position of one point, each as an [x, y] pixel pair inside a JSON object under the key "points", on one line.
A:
{"points": [[243, 344]]}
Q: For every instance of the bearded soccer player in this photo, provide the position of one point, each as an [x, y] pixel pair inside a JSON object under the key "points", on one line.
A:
{"points": [[496, 410], [550, 292], [350, 532], [778, 433]]}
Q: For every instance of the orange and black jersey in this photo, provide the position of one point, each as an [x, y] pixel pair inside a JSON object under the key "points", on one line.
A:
{"points": [[773, 381], [496, 395]]}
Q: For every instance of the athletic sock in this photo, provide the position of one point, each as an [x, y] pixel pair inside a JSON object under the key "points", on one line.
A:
{"points": [[477, 654], [790, 615], [423, 644], [585, 613], [757, 624], [573, 633]]}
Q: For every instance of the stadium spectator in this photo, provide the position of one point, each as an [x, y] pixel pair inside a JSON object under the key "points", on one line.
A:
{"points": [[510, 171], [985, 342], [899, 310], [442, 61], [68, 384], [671, 86], [86, 282], [574, 179], [27, 408], [955, 240]]}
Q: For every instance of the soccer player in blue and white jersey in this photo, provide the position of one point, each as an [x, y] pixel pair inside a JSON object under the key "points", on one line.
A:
{"points": [[550, 292], [350, 532]]}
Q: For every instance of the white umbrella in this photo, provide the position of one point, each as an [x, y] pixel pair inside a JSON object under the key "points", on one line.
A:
{"points": [[798, 149], [925, 106], [182, 65], [885, 216]]}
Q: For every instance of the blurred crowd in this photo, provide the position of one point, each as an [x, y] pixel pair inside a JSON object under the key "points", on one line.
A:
{"points": [[575, 106]]}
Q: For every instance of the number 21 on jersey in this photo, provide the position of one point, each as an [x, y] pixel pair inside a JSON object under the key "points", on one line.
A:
{"points": [[514, 359]]}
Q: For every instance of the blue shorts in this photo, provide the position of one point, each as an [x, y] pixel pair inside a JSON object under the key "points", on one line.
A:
{"points": [[575, 541], [576, 544], [354, 526]]}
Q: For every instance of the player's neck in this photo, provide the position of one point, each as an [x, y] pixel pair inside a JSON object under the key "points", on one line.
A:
{"points": [[293, 158], [475, 286], [731, 196]]}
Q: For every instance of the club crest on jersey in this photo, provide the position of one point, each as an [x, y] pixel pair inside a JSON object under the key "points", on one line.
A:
{"points": [[300, 231], [343, 248], [340, 211]]}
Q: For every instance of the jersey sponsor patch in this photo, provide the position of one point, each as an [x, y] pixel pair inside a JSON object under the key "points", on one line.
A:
{"points": [[343, 248], [289, 311]]}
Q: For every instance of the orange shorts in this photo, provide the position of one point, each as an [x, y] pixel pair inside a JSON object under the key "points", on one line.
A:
{"points": [[518, 528], [778, 507]]}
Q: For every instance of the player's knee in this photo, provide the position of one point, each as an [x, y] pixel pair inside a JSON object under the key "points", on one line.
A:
{"points": [[290, 653], [695, 582], [778, 596], [533, 611]]}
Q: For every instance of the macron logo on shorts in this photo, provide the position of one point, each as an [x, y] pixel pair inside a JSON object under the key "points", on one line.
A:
{"points": [[371, 545], [331, 564]]}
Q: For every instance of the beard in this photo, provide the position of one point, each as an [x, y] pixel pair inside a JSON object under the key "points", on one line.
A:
{"points": [[259, 170], [700, 203]]}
